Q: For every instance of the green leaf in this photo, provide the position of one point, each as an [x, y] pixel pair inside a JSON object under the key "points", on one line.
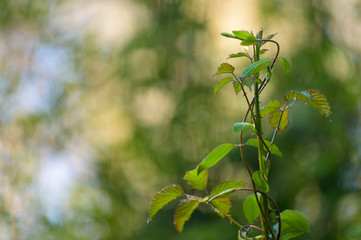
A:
{"points": [[260, 181], [256, 67], [229, 35], [224, 68], [214, 156], [163, 197], [237, 87], [250, 208], [270, 107], [269, 37], [240, 54], [183, 212], [246, 37], [222, 206], [198, 182], [241, 126], [313, 97], [226, 186], [274, 150], [274, 117], [295, 219], [262, 51], [285, 64], [219, 85]]}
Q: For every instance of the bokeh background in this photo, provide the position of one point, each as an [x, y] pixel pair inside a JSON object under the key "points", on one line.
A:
{"points": [[105, 102]]}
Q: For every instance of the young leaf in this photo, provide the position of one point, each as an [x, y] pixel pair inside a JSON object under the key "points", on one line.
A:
{"points": [[221, 84], [213, 157], [237, 87], [295, 219], [260, 181], [240, 54], [250, 208], [255, 67], [262, 51], [270, 107], [222, 206], [274, 117], [269, 37], [198, 182], [224, 34], [224, 68], [274, 150], [285, 64], [313, 97], [241, 126], [226, 186], [163, 197], [183, 212], [243, 35]]}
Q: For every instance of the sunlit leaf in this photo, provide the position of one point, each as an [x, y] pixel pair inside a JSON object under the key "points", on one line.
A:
{"points": [[243, 35], [219, 85], [270, 107], [274, 118], [229, 35], [226, 186], [313, 97], [262, 51], [163, 197], [240, 54], [237, 87], [197, 181], [214, 156], [260, 181], [241, 126], [274, 150], [224, 68], [222, 206], [256, 67], [250, 208], [295, 219], [183, 212]]}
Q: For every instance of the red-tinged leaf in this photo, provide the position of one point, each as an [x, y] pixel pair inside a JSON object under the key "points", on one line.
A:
{"points": [[275, 116], [222, 206], [219, 85], [224, 68], [163, 197], [197, 181], [313, 97], [270, 107], [226, 186], [183, 212], [214, 156], [237, 87]]}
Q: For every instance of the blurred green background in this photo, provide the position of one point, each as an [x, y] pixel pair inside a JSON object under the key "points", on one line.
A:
{"points": [[105, 102]]}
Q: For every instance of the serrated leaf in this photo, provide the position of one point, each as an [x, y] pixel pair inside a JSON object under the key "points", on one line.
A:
{"points": [[295, 219], [237, 87], [198, 182], [256, 67], [183, 212], [163, 197], [274, 150], [224, 68], [251, 209], [226, 186], [219, 85], [222, 206], [274, 117], [285, 64], [260, 181], [242, 126], [214, 156], [240, 54], [229, 35], [270, 107], [313, 97]]}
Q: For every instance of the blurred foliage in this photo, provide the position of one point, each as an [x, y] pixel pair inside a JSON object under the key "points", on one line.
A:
{"points": [[103, 103]]}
